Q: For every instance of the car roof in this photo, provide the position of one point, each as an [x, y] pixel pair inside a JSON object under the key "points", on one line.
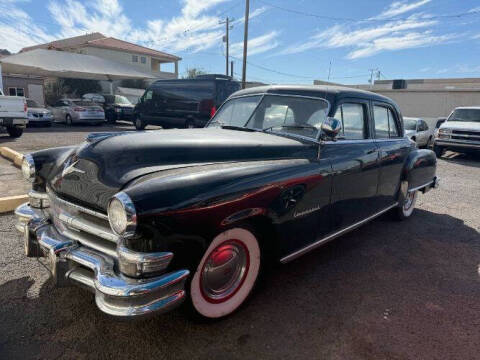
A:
{"points": [[468, 107], [315, 91], [411, 118]]}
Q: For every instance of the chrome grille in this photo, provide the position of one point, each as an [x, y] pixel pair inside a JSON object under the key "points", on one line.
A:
{"points": [[466, 135], [87, 226]]}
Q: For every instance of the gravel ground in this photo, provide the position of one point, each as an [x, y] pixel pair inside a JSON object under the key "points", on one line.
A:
{"points": [[389, 290]]}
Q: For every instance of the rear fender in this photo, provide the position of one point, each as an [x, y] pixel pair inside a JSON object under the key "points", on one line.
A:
{"points": [[419, 171]]}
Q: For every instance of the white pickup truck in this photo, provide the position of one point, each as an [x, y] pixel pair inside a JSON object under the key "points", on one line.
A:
{"points": [[461, 131], [13, 114]]}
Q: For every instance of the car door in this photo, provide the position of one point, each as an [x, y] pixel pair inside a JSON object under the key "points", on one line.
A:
{"points": [[355, 165], [393, 150]]}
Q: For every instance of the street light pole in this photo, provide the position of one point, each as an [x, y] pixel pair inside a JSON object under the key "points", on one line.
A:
{"points": [[245, 43]]}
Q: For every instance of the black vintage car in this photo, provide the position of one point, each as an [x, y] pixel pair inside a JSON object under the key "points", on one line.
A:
{"points": [[146, 220]]}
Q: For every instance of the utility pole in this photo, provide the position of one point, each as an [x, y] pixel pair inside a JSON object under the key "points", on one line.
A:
{"points": [[329, 70], [371, 75], [245, 43], [231, 69], [226, 40]]}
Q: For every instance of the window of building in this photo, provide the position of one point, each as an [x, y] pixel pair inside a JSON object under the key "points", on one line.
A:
{"points": [[135, 58], [16, 91], [352, 117], [385, 126], [143, 60]]}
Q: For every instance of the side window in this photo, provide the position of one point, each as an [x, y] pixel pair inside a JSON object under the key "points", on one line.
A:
{"points": [[352, 117], [423, 126], [148, 95], [385, 125]]}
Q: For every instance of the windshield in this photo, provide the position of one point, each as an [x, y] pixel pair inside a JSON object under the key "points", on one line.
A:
{"points": [[410, 124], [281, 114], [465, 115], [122, 100], [32, 104]]}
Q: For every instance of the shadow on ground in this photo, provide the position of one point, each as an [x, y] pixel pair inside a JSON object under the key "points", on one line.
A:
{"points": [[393, 290]]}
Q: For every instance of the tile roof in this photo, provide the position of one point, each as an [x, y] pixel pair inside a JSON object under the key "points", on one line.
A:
{"points": [[99, 40]]}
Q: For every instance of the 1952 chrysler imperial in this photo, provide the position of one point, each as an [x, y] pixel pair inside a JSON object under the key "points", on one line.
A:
{"points": [[146, 220]]}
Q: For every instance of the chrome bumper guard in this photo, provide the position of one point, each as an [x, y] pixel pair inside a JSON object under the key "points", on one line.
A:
{"points": [[115, 294]]}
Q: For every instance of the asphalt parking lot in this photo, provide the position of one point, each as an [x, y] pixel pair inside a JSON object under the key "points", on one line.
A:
{"points": [[389, 290]]}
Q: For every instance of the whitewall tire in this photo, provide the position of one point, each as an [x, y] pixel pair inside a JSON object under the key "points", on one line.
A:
{"points": [[406, 209], [226, 274]]}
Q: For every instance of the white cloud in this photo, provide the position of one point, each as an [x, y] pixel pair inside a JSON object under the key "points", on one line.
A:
{"points": [[17, 28], [367, 40], [257, 45], [401, 7], [196, 28]]}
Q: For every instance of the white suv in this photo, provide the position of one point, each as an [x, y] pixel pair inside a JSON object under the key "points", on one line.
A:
{"points": [[461, 131]]}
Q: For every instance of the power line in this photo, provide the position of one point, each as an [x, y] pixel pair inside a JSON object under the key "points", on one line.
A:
{"points": [[275, 71], [324, 17]]}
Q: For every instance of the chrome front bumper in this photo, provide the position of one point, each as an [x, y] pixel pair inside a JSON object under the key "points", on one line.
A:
{"points": [[73, 263]]}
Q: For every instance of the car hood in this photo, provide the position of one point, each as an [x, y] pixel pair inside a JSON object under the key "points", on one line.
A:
{"points": [[108, 162], [461, 125], [410, 132]]}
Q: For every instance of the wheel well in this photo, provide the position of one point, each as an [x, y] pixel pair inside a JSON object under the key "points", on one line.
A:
{"points": [[267, 234]]}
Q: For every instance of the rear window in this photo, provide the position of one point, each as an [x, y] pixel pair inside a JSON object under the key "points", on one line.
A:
{"points": [[32, 104]]}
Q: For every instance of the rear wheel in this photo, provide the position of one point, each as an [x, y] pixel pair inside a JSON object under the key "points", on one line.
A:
{"points": [[429, 142], [406, 209], [139, 123], [14, 131], [68, 120], [226, 274], [189, 124]]}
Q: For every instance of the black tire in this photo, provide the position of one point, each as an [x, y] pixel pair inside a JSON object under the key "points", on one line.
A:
{"points": [[407, 208], [15, 132], [189, 124], [111, 118], [139, 123], [68, 120], [429, 142], [438, 150]]}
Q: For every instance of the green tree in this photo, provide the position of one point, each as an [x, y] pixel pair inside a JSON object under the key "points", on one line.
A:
{"points": [[134, 83], [192, 73]]}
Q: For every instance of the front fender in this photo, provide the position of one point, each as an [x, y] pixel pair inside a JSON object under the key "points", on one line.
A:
{"points": [[420, 168]]}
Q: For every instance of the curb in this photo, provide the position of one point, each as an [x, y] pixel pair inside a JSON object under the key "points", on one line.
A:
{"points": [[12, 155], [10, 203]]}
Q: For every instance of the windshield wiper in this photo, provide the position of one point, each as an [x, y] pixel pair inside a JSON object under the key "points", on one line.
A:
{"points": [[239, 128], [291, 127]]}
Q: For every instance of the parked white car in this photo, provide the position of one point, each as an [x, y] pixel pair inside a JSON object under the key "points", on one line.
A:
{"points": [[38, 115], [418, 130], [13, 114], [77, 111], [461, 131]]}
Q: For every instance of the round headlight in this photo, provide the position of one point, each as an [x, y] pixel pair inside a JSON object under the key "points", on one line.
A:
{"points": [[122, 215], [28, 168]]}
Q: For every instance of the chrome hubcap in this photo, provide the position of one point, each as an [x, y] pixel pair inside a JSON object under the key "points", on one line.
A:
{"points": [[224, 271], [409, 200]]}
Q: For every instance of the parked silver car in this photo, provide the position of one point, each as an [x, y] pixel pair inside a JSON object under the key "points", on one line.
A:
{"points": [[37, 114], [77, 111], [418, 130]]}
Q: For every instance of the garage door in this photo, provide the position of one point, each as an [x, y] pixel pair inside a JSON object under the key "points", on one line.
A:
{"points": [[35, 92]]}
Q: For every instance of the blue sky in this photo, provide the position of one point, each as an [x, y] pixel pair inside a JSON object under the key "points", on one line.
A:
{"points": [[290, 41]]}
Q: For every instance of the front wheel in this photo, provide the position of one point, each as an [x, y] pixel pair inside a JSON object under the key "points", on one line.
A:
{"points": [[226, 274], [69, 120], [438, 150], [15, 132], [139, 123], [405, 210]]}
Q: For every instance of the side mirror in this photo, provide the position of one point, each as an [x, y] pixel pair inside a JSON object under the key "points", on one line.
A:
{"points": [[331, 127]]}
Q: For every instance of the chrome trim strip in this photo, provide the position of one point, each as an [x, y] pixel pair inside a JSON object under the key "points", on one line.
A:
{"points": [[89, 227], [422, 186], [330, 237], [77, 207]]}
